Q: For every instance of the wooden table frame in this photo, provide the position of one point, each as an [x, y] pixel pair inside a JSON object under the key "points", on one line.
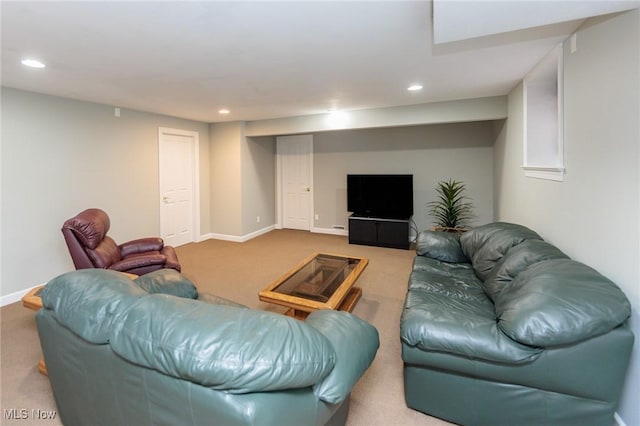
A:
{"points": [[33, 301], [344, 298]]}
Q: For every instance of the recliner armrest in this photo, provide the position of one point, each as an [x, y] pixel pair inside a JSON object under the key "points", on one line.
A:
{"points": [[172, 258], [139, 261], [141, 245]]}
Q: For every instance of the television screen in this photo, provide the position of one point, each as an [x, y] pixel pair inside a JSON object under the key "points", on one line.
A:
{"points": [[382, 196]]}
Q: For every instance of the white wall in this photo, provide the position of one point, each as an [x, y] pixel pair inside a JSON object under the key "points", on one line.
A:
{"points": [[61, 156], [594, 215], [460, 151]]}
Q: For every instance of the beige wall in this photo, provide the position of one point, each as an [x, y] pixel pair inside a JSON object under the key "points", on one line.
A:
{"points": [[226, 178], [594, 215], [258, 184], [242, 182], [61, 156], [461, 151]]}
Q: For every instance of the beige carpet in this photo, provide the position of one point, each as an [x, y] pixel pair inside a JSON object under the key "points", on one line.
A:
{"points": [[238, 271]]}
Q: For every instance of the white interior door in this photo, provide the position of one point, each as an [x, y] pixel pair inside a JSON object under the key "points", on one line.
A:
{"points": [[178, 183], [295, 154]]}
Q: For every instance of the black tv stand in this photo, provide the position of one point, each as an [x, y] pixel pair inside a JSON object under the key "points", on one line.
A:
{"points": [[377, 231]]}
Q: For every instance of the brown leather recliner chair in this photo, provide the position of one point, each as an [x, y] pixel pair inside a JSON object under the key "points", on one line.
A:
{"points": [[90, 247]]}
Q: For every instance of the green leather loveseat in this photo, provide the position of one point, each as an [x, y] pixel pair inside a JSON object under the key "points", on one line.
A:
{"points": [[501, 328], [153, 351]]}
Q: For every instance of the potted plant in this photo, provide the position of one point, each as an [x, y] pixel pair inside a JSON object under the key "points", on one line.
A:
{"points": [[452, 210]]}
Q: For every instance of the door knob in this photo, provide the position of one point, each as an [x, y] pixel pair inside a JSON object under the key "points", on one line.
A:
{"points": [[307, 189]]}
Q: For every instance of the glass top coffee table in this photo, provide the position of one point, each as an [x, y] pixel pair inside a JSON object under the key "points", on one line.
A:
{"points": [[321, 281]]}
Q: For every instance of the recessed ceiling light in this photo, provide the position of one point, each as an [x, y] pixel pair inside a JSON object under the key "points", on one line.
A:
{"points": [[224, 111], [414, 87], [337, 119], [33, 63]]}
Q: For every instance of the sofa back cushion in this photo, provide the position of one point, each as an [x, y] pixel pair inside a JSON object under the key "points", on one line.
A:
{"points": [[90, 301], [516, 260], [226, 348], [559, 302], [485, 245]]}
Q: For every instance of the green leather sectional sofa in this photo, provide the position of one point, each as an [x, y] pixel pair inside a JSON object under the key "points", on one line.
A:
{"points": [[501, 328], [153, 351]]}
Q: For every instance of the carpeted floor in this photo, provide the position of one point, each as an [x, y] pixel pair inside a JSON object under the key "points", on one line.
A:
{"points": [[238, 271]]}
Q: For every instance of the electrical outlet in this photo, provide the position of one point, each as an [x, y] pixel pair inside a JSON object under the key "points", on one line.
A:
{"points": [[257, 219], [317, 216]]}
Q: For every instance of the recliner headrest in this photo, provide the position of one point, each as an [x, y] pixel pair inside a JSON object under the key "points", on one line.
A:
{"points": [[89, 226]]}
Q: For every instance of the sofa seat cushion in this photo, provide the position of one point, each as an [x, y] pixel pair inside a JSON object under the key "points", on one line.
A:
{"points": [[90, 301], [485, 245], [560, 302], [466, 327], [516, 260], [462, 288], [444, 246], [452, 314], [223, 347], [427, 264]]}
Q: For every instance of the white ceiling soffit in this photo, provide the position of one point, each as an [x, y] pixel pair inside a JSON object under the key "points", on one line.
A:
{"points": [[463, 20], [273, 59]]}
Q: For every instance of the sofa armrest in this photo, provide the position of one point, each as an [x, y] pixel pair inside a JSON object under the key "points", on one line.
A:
{"points": [[355, 343], [141, 245], [444, 246], [90, 301]]}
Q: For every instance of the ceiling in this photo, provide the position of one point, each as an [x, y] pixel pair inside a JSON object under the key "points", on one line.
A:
{"points": [[269, 59]]}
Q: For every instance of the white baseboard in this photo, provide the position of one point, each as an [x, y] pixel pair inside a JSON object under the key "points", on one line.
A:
{"points": [[236, 238], [244, 238], [332, 231], [15, 297]]}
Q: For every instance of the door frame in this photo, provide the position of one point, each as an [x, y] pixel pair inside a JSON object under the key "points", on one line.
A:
{"points": [[195, 177], [279, 183]]}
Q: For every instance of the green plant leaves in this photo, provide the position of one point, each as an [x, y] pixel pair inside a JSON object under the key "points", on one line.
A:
{"points": [[451, 209]]}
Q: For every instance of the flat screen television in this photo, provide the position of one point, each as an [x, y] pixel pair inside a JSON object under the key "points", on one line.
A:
{"points": [[382, 196]]}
